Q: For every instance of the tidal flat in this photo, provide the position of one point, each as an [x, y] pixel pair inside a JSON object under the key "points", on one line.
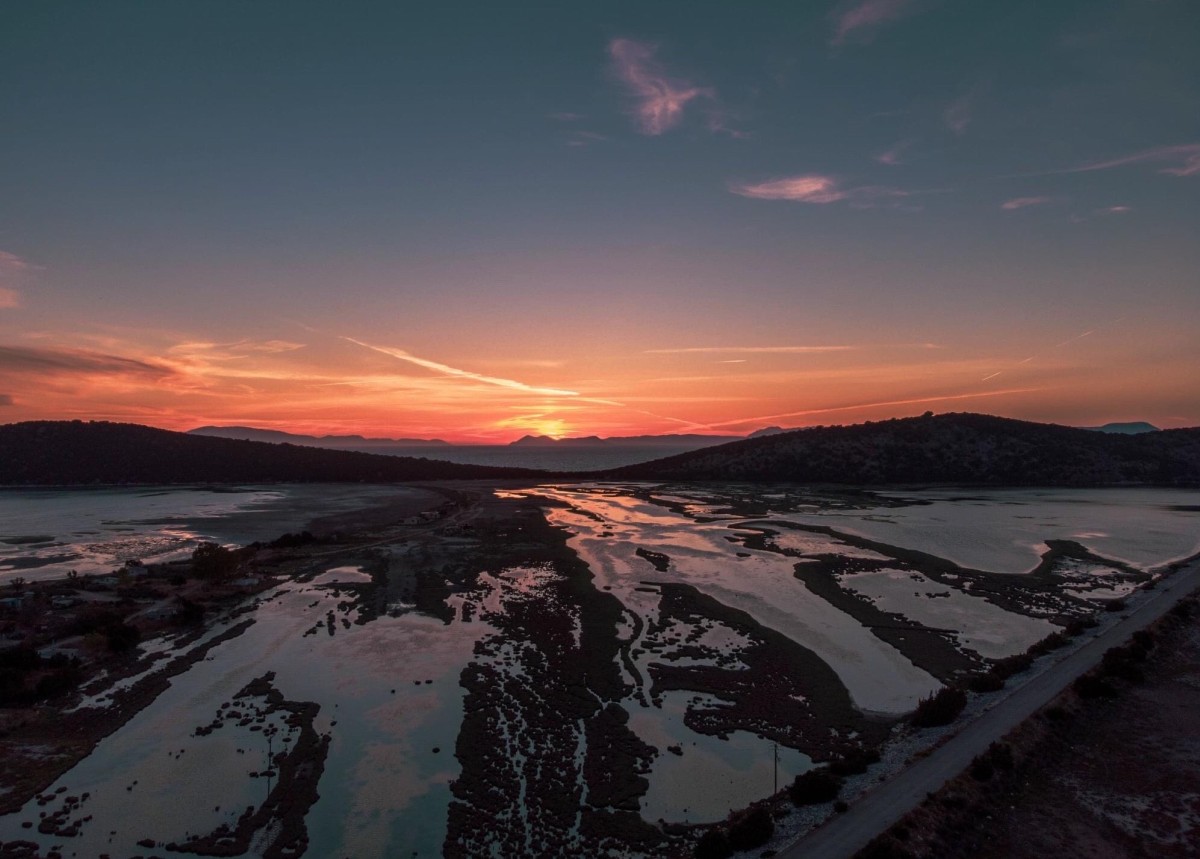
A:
{"points": [[555, 669]]}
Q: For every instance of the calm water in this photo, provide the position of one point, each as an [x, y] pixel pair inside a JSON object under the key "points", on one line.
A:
{"points": [[390, 690], [44, 533], [545, 458]]}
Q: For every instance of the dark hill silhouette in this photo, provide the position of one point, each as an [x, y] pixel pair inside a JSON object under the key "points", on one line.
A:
{"points": [[950, 448], [74, 452]]}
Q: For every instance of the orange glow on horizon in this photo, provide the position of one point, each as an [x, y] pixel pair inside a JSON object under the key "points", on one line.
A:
{"points": [[336, 386]]}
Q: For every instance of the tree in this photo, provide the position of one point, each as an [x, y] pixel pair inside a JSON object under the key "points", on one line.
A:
{"points": [[210, 561]]}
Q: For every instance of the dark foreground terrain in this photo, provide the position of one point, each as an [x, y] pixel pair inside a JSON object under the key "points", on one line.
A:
{"points": [[1111, 769]]}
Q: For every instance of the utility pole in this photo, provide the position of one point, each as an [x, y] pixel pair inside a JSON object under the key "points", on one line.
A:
{"points": [[776, 756]]}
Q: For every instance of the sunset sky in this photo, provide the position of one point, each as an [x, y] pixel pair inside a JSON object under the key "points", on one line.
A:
{"points": [[475, 221]]}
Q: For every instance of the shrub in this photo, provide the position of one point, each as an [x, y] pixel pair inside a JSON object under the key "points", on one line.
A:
{"points": [[121, 637], [751, 830], [990, 682], [713, 844], [1053, 641], [210, 561], [1144, 639], [939, 709], [1010, 665], [982, 769], [854, 762], [815, 787], [1090, 686], [1114, 605]]}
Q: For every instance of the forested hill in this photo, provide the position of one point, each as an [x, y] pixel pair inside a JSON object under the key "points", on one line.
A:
{"points": [[75, 452], [949, 448]]}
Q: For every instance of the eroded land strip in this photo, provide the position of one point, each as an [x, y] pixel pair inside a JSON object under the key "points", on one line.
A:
{"points": [[848, 833]]}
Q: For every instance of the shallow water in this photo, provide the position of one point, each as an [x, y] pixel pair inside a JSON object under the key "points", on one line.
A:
{"points": [[96, 530], [1004, 530], [390, 693]]}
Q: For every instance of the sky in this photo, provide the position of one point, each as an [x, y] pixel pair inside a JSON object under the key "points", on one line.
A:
{"points": [[474, 221]]}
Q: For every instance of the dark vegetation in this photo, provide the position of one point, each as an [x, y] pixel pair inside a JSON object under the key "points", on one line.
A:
{"points": [[815, 787], [59, 453], [745, 831], [939, 709], [950, 448]]}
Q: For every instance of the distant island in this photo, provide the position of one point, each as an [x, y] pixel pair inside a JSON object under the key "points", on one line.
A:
{"points": [[331, 441], [1132, 428], [672, 441]]}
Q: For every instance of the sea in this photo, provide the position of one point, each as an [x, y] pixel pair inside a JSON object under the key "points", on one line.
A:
{"points": [[544, 458]]}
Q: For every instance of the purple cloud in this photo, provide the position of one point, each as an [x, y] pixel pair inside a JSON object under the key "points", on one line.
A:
{"points": [[1186, 158], [26, 360], [812, 188], [1022, 202], [660, 99], [893, 156], [957, 114], [863, 18]]}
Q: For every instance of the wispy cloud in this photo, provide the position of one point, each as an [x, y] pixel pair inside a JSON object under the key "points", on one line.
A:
{"points": [[6, 400], [1185, 158], [862, 19], [958, 114], [812, 188], [895, 154], [11, 268], [787, 350], [1023, 202], [1114, 210], [25, 360], [447, 370], [584, 138], [661, 99]]}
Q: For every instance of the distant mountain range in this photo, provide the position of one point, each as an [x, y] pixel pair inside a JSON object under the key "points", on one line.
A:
{"points": [[63, 453], [343, 442], [330, 441], [1133, 428], [949, 448], [676, 442]]}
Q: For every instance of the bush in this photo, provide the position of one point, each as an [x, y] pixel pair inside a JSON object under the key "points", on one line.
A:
{"points": [[982, 769], [751, 830], [1010, 665], [1114, 605], [990, 682], [815, 787], [1053, 641], [1144, 639], [854, 762], [121, 637], [1089, 686], [713, 844], [939, 709], [210, 561]]}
